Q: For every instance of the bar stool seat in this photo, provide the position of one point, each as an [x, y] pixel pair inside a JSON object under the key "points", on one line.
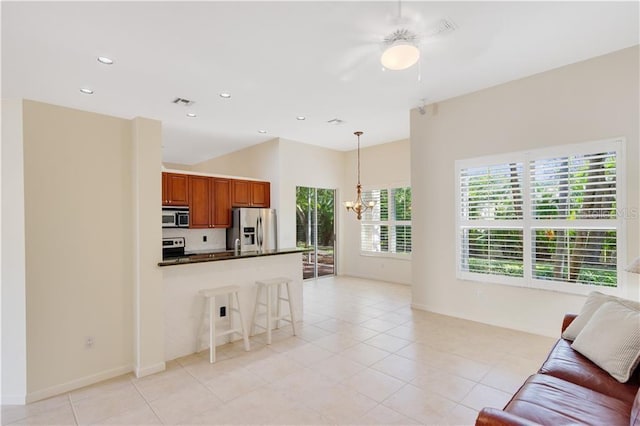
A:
{"points": [[210, 297], [268, 286]]}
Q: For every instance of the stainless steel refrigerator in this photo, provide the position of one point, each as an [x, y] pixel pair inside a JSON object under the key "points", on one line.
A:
{"points": [[255, 228]]}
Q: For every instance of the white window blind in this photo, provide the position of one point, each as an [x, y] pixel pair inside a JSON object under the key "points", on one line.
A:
{"points": [[547, 218], [386, 229]]}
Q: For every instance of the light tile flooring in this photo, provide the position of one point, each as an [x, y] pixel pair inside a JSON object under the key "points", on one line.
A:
{"points": [[362, 356]]}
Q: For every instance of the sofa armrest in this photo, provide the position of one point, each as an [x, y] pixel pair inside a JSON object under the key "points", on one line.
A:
{"points": [[568, 319], [495, 417]]}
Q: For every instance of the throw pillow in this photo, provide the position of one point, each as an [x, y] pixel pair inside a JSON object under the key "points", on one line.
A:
{"points": [[591, 305], [611, 340]]}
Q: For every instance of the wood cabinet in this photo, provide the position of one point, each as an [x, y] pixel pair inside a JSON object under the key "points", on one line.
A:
{"points": [[248, 193], [221, 208], [260, 194], [199, 202], [240, 195], [175, 190], [209, 202], [210, 199]]}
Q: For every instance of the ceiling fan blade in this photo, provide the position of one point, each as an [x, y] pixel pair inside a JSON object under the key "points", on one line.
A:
{"points": [[354, 57]]}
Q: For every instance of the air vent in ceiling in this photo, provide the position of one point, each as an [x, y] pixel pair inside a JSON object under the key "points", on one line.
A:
{"points": [[335, 121], [445, 26], [183, 102]]}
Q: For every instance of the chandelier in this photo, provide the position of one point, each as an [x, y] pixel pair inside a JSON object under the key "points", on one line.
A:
{"points": [[357, 206]]}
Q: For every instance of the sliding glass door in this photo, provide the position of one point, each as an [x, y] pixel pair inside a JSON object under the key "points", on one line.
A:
{"points": [[315, 229]]}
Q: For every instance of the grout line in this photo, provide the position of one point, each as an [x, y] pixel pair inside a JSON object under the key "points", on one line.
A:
{"points": [[73, 409]]}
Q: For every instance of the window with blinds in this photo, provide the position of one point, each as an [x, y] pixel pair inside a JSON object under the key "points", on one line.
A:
{"points": [[547, 218], [386, 229]]}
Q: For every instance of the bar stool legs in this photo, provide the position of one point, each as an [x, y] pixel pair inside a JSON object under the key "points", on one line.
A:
{"points": [[268, 287], [232, 293]]}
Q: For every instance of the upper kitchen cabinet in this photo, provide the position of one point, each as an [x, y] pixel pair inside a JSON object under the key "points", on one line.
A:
{"points": [[209, 202], [199, 202], [248, 193], [221, 203], [175, 189], [260, 194], [240, 193]]}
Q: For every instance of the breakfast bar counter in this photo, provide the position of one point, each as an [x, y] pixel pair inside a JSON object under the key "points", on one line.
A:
{"points": [[216, 255], [185, 309]]}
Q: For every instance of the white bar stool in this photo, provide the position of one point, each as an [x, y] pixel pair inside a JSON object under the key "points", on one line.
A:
{"points": [[269, 285], [210, 295]]}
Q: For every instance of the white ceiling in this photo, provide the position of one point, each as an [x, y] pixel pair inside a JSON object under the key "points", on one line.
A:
{"points": [[284, 59]]}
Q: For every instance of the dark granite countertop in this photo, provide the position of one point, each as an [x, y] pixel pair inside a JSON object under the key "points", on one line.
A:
{"points": [[214, 255]]}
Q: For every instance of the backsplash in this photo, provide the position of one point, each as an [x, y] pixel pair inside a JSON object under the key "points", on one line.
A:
{"points": [[216, 238]]}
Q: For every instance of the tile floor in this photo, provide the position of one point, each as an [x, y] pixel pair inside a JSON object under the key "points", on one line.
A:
{"points": [[362, 356]]}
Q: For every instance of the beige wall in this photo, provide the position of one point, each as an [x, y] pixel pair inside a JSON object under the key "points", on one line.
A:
{"points": [[258, 162], [177, 166], [288, 164], [148, 304], [305, 165], [591, 100], [381, 165], [13, 288], [79, 247]]}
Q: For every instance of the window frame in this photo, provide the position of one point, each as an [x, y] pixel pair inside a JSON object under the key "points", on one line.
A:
{"points": [[529, 224], [391, 223]]}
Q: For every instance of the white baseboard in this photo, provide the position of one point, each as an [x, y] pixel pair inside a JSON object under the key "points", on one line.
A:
{"points": [[14, 399], [531, 330], [76, 384], [419, 307], [366, 277], [152, 369]]}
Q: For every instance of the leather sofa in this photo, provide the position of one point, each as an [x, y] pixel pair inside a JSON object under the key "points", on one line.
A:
{"points": [[569, 389]]}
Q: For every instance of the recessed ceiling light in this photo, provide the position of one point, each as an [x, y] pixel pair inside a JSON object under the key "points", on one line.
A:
{"points": [[335, 121], [262, 131], [191, 114], [86, 91], [105, 60], [225, 95], [301, 118]]}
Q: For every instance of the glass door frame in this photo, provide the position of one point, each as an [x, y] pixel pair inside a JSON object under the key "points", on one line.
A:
{"points": [[313, 219]]}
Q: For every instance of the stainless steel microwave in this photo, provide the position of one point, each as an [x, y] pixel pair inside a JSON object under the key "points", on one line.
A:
{"points": [[175, 218]]}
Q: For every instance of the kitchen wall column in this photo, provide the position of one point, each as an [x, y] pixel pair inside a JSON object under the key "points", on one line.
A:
{"points": [[14, 330], [147, 284]]}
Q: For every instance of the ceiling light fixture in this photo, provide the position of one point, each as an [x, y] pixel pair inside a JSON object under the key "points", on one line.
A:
{"points": [[301, 118], [358, 206], [225, 95], [262, 131], [191, 114], [401, 50], [86, 91], [105, 60], [400, 47]]}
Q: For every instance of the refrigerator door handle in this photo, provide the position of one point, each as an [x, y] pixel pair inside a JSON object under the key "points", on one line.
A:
{"points": [[261, 231], [258, 242]]}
